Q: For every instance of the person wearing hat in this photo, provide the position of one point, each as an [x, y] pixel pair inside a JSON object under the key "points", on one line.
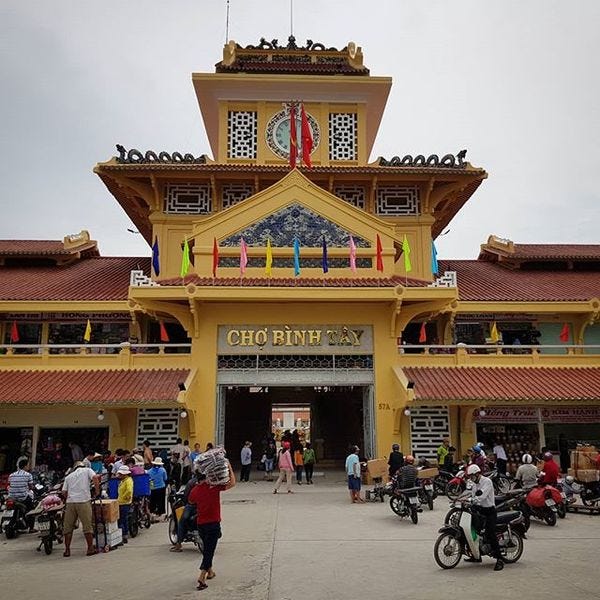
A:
{"points": [[396, 460], [158, 487], [76, 490], [125, 498]]}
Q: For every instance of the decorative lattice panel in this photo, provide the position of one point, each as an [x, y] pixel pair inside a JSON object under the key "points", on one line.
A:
{"points": [[343, 136], [299, 361], [448, 279], [353, 194], [188, 199], [429, 425], [394, 200], [241, 134], [159, 425], [232, 193]]}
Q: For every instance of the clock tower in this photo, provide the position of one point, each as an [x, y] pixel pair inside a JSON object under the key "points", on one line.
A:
{"points": [[245, 103]]}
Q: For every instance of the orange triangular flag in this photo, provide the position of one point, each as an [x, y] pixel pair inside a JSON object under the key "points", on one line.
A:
{"points": [[564, 333], [422, 334], [164, 336]]}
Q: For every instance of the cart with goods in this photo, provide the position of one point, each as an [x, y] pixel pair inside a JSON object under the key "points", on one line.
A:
{"points": [[375, 474], [107, 533], [584, 469]]}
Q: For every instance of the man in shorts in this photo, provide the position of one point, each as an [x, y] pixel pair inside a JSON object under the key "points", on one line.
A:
{"points": [[353, 473], [76, 489]]}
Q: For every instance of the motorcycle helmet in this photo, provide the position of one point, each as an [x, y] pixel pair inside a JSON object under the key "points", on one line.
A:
{"points": [[409, 460], [527, 459], [473, 470], [570, 479], [548, 456], [395, 447], [476, 449]]}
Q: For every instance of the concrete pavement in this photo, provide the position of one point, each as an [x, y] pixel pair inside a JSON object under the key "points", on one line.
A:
{"points": [[311, 544]]}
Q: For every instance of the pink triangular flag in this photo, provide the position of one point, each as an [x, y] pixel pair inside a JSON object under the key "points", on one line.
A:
{"points": [[243, 256], [352, 255]]}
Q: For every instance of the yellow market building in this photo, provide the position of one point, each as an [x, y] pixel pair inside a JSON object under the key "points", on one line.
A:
{"points": [[311, 292]]}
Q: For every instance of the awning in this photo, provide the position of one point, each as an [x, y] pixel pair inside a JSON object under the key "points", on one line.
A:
{"points": [[517, 384], [91, 387]]}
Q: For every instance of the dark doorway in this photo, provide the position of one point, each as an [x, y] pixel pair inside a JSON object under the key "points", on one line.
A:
{"points": [[336, 418]]}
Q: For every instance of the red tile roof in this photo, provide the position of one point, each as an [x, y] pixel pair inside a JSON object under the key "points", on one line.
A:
{"points": [[96, 278], [104, 388], [328, 282], [485, 281], [504, 383], [32, 247], [557, 251]]}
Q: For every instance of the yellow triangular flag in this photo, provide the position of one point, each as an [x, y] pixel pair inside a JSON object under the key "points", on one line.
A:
{"points": [[185, 259], [406, 253], [87, 335], [494, 335], [269, 260]]}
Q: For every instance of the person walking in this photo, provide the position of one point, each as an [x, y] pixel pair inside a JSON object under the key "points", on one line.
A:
{"points": [[78, 507], [286, 468], [299, 462], [158, 487], [207, 499], [501, 458], [309, 462], [353, 473], [125, 498], [270, 453], [246, 460]]}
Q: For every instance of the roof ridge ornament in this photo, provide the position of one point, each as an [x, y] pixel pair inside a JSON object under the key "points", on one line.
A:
{"points": [[135, 156], [433, 160]]}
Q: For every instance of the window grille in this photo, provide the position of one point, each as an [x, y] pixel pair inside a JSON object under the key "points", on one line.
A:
{"points": [[397, 201], [241, 133], [232, 193], [353, 194], [188, 199], [429, 425], [343, 136]]}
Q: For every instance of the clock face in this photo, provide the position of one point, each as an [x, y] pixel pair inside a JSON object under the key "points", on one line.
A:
{"points": [[278, 133]]}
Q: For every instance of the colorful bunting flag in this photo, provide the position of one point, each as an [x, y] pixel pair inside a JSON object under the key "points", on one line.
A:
{"points": [[185, 259], [423, 334], [293, 137], [434, 263], [269, 259], [406, 253], [352, 255], [243, 256], [494, 335], [14, 333], [87, 334], [156, 257], [324, 261], [296, 257], [379, 254], [565, 333], [215, 264], [164, 336], [307, 139]]}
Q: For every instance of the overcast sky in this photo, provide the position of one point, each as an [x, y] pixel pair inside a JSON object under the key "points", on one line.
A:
{"points": [[514, 82]]}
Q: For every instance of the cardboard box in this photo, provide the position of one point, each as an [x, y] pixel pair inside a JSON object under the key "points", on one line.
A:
{"points": [[368, 479], [107, 510], [377, 467], [428, 473], [584, 475], [110, 527]]}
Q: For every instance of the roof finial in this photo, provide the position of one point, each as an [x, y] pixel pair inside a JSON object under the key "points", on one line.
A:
{"points": [[291, 18], [227, 24]]}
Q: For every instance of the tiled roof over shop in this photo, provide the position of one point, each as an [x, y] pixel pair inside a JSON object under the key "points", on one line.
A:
{"points": [[102, 388], [485, 281], [557, 251], [96, 278], [482, 384]]}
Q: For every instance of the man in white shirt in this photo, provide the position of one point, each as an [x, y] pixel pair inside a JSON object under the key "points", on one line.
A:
{"points": [[501, 458], [76, 489], [483, 499]]}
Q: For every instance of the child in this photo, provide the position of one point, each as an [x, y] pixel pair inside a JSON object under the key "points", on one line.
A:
{"points": [[309, 462], [125, 498], [299, 462]]}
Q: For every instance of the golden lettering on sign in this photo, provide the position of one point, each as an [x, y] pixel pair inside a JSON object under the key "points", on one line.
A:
{"points": [[343, 336]]}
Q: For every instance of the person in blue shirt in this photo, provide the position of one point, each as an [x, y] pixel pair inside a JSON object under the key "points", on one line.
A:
{"points": [[353, 473], [158, 487], [195, 453]]}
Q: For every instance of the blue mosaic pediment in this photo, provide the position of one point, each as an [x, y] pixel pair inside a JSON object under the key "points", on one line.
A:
{"points": [[294, 221]]}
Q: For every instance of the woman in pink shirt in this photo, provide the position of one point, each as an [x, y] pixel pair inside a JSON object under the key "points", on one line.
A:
{"points": [[286, 468]]}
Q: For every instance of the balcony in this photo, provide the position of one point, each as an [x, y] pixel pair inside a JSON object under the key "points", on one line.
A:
{"points": [[86, 356], [448, 355]]}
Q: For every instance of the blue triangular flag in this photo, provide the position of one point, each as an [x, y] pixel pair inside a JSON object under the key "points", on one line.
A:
{"points": [[296, 257], [155, 258], [434, 263], [325, 263]]}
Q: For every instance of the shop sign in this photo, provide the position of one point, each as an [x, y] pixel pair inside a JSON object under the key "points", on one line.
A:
{"points": [[506, 414], [571, 414], [67, 317], [498, 317], [295, 339]]}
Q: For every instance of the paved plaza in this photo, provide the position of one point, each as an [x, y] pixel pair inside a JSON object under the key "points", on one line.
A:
{"points": [[312, 544]]}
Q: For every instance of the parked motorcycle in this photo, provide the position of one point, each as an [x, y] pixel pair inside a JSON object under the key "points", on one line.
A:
{"points": [[49, 521], [460, 540], [427, 492], [541, 503], [404, 502], [590, 493], [177, 507]]}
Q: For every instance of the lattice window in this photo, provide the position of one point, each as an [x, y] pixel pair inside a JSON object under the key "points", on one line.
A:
{"points": [[188, 199], [159, 425], [299, 361], [353, 194], [429, 425], [343, 136], [232, 193], [241, 133], [394, 200]]}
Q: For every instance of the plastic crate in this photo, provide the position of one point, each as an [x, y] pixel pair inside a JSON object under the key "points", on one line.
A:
{"points": [[113, 488], [141, 485]]}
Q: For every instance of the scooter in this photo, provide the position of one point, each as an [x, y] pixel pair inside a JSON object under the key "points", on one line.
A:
{"points": [[456, 541], [13, 521], [427, 493], [49, 521], [177, 508], [541, 502], [404, 502]]}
